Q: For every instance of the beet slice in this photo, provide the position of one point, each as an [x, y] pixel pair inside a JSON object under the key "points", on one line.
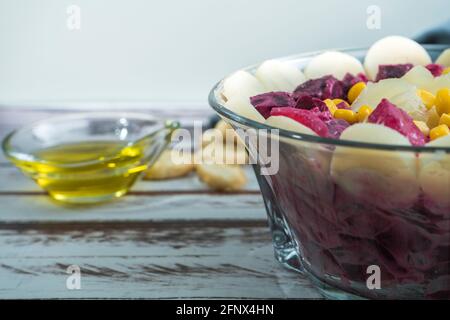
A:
{"points": [[387, 71], [266, 101], [336, 127], [326, 87], [435, 69], [395, 118], [306, 117], [350, 80], [309, 102]]}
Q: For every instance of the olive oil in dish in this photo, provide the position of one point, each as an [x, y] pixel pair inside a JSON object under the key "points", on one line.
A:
{"points": [[86, 171]]}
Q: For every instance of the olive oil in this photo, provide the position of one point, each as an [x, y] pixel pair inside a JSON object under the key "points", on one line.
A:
{"points": [[86, 172]]}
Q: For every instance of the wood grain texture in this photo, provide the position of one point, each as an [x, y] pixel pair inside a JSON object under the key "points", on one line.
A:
{"points": [[180, 199], [165, 239], [179, 259]]}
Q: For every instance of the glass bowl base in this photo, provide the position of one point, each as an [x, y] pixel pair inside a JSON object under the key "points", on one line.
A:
{"points": [[289, 259], [328, 291]]}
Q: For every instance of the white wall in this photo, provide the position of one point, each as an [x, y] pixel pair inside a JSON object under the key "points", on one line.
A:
{"points": [[175, 50]]}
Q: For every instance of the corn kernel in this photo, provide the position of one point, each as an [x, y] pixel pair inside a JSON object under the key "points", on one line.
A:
{"points": [[445, 119], [439, 131], [443, 101], [338, 101], [432, 118], [345, 114], [427, 97], [446, 70], [363, 113], [422, 127], [355, 91], [330, 105]]}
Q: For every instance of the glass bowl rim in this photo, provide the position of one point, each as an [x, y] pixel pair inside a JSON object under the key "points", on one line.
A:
{"points": [[13, 154], [225, 112]]}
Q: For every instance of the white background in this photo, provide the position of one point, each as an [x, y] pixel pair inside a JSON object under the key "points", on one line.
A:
{"points": [[173, 50]]}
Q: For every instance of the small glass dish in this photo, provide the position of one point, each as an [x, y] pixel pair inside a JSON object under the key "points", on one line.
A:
{"points": [[340, 225], [88, 157]]}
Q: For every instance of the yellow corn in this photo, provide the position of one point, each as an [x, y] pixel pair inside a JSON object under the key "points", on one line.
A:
{"points": [[427, 97], [338, 101], [355, 91], [446, 70], [439, 131], [443, 101], [432, 118], [330, 105], [363, 113], [422, 127], [445, 119], [345, 114]]}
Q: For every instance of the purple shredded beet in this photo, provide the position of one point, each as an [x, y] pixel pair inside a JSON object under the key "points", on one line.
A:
{"points": [[306, 117], [326, 87], [266, 101], [361, 77], [324, 115], [335, 127], [343, 105], [387, 71], [342, 233], [435, 69], [395, 118], [308, 102], [350, 80]]}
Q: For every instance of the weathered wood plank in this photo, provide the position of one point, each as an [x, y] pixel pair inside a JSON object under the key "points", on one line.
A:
{"points": [[185, 198], [204, 259], [40, 208]]}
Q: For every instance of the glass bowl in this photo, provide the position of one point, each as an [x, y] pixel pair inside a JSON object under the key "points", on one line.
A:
{"points": [[361, 220], [88, 157]]}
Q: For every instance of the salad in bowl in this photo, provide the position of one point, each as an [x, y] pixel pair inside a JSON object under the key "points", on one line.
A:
{"points": [[360, 202]]}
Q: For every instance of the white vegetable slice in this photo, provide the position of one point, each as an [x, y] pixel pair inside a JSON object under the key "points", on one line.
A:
{"points": [[333, 62], [439, 83], [279, 76], [394, 50], [422, 78], [286, 123], [398, 91], [242, 85], [244, 108], [434, 177], [444, 58], [419, 76], [383, 178], [374, 133]]}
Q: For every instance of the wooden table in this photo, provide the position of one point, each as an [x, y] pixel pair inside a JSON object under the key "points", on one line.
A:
{"points": [[168, 239]]}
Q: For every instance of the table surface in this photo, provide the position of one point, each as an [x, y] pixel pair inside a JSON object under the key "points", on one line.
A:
{"points": [[166, 239]]}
